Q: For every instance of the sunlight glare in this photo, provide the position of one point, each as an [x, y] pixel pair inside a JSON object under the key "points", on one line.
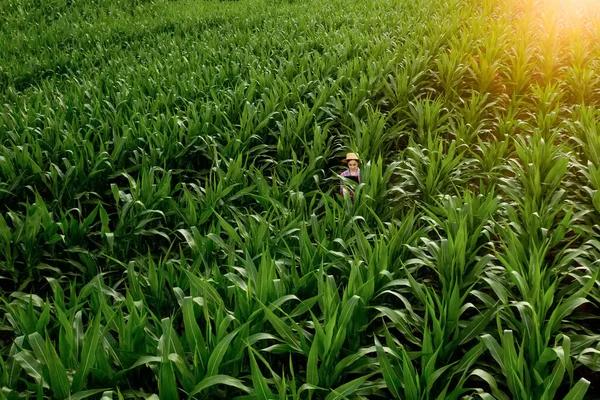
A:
{"points": [[573, 6], [573, 15]]}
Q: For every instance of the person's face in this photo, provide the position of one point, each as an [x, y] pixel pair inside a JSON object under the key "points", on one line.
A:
{"points": [[353, 165]]}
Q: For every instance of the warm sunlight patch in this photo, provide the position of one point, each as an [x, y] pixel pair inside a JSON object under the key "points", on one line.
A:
{"points": [[573, 8], [571, 17]]}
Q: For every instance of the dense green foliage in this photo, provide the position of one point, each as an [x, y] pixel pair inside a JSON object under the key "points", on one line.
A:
{"points": [[170, 223]]}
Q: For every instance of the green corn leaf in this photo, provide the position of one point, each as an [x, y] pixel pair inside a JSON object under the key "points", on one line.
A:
{"points": [[12, 367], [8, 394], [344, 321], [547, 356], [567, 307], [488, 378], [88, 354], [282, 329], [432, 377], [218, 353], [389, 374], [261, 388], [552, 382], [410, 377], [226, 320], [312, 369], [44, 318], [347, 389], [330, 330], [143, 360], [192, 331], [494, 349], [219, 380], [348, 310], [229, 229], [566, 351], [167, 384], [578, 391], [58, 375], [32, 366], [208, 292], [358, 361], [45, 352], [475, 327], [66, 339], [175, 344], [182, 366], [400, 320], [78, 330], [253, 339], [107, 395], [88, 393], [470, 358]]}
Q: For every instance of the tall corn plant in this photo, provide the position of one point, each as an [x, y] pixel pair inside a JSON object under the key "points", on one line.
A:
{"points": [[537, 231], [458, 261], [430, 171]]}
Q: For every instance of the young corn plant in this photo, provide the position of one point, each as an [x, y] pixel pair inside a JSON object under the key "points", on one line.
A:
{"points": [[428, 172], [524, 382]]}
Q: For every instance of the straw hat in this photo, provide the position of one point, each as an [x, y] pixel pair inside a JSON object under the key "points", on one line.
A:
{"points": [[350, 156]]}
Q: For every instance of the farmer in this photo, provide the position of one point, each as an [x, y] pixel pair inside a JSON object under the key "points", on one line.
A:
{"points": [[353, 172]]}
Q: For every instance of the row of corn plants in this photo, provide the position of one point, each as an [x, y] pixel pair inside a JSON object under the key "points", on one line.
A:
{"points": [[170, 223]]}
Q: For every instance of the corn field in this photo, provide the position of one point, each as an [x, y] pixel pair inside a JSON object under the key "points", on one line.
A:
{"points": [[171, 224]]}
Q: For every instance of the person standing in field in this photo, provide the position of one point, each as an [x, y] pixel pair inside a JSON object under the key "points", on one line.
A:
{"points": [[353, 171]]}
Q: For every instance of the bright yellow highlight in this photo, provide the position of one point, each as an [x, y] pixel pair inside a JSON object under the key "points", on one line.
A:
{"points": [[570, 17], [570, 6]]}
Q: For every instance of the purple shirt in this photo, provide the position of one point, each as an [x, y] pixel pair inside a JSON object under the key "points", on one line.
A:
{"points": [[347, 173]]}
